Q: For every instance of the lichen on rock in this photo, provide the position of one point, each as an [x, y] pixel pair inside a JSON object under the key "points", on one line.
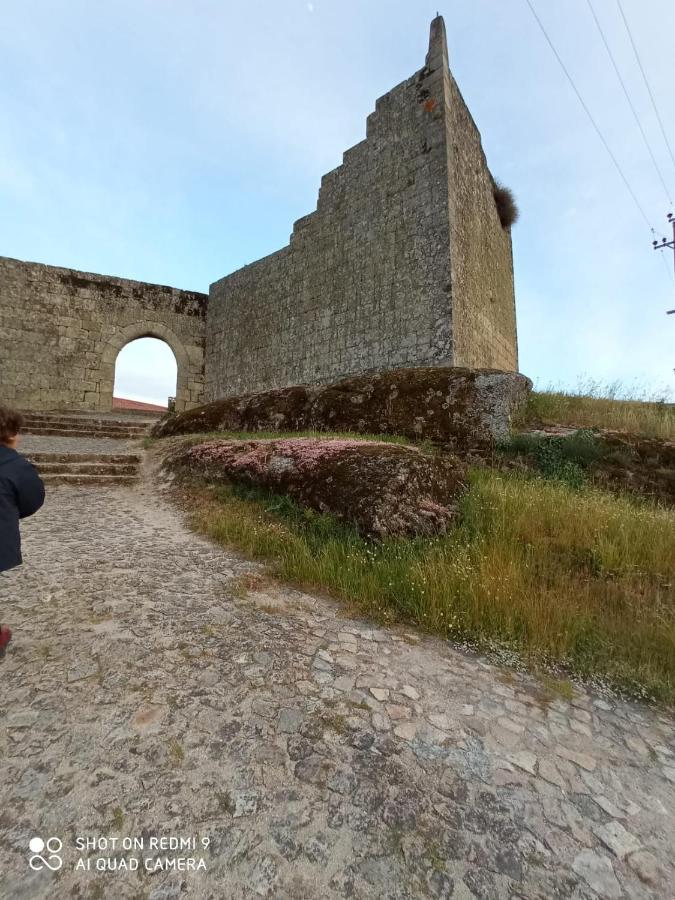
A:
{"points": [[463, 409], [381, 489]]}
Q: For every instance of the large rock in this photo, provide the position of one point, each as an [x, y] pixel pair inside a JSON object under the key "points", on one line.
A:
{"points": [[380, 488], [467, 409]]}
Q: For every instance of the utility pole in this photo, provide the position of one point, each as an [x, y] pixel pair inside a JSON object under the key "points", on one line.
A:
{"points": [[660, 245]]}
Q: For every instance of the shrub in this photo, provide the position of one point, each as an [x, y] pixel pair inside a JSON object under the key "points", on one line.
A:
{"points": [[507, 209], [561, 458]]}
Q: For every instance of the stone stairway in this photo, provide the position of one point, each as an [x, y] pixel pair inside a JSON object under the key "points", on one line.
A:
{"points": [[86, 468], [86, 426], [80, 448]]}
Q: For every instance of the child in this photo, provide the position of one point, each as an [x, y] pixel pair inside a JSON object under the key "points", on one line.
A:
{"points": [[21, 494]]}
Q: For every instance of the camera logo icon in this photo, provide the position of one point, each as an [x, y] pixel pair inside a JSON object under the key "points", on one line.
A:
{"points": [[53, 848]]}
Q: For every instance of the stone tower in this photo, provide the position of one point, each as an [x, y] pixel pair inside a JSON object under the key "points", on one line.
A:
{"points": [[404, 262], [482, 297]]}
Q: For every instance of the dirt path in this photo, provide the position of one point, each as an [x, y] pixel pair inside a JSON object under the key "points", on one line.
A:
{"points": [[147, 694]]}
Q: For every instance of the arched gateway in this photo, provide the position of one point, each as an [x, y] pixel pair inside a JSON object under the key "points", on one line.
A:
{"points": [[186, 374]]}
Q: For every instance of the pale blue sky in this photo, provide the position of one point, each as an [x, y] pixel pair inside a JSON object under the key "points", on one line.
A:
{"points": [[175, 142]]}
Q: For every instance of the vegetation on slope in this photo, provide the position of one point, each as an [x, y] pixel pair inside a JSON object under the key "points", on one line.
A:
{"points": [[615, 460], [541, 562], [578, 578], [597, 406]]}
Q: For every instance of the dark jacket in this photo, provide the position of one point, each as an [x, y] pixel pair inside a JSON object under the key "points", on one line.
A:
{"points": [[21, 494]]}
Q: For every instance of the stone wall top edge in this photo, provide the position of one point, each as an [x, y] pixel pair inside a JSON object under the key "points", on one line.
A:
{"points": [[256, 262], [101, 280], [402, 86], [471, 121], [384, 98], [380, 100]]}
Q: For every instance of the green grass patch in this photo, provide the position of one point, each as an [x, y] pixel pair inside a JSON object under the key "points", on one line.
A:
{"points": [[561, 458], [580, 578], [555, 688], [596, 406], [176, 752]]}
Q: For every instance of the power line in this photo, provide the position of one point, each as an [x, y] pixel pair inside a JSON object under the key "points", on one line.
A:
{"points": [[644, 76], [590, 116], [630, 102]]}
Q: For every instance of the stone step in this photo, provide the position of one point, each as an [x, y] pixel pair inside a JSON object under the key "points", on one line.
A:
{"points": [[85, 423], [133, 421], [86, 468], [34, 427], [124, 458], [51, 424], [71, 468], [79, 432], [81, 417], [76, 479]]}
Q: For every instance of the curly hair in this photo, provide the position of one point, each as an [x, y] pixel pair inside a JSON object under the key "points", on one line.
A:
{"points": [[11, 423]]}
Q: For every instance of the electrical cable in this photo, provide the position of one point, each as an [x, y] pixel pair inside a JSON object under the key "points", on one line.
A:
{"points": [[630, 103], [590, 116], [647, 85]]}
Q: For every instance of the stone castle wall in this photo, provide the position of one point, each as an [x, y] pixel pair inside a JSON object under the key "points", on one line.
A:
{"points": [[365, 280], [481, 260], [61, 331], [403, 263]]}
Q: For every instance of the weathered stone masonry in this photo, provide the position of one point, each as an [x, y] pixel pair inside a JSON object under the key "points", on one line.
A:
{"points": [[61, 332], [403, 263]]}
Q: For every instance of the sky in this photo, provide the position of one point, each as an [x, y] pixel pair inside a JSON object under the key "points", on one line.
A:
{"points": [[174, 142]]}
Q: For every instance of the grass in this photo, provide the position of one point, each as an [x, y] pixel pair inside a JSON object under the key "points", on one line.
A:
{"points": [[198, 437], [577, 578], [556, 688], [176, 752], [594, 405], [563, 458], [335, 722]]}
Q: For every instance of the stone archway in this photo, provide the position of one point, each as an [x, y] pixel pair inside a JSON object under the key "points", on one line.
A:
{"points": [[131, 333]]}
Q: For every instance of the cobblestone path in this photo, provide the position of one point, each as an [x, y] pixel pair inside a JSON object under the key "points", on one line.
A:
{"points": [[148, 693]]}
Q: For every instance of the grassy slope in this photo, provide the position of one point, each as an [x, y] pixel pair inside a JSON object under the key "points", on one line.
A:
{"points": [[563, 573], [586, 410], [580, 578]]}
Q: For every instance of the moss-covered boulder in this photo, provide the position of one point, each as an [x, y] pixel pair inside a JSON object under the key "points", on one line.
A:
{"points": [[465, 409], [380, 488]]}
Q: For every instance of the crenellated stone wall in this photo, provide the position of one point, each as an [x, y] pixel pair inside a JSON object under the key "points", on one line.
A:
{"points": [[404, 262]]}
